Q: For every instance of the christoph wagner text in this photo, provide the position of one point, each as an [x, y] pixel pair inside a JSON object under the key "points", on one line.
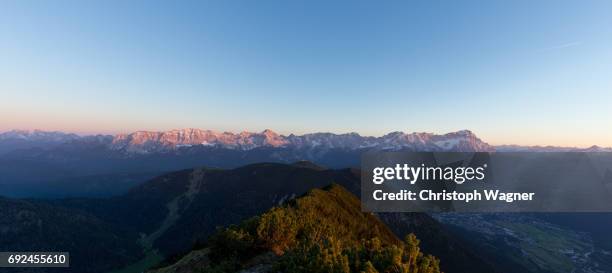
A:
{"points": [[418, 173], [428, 195]]}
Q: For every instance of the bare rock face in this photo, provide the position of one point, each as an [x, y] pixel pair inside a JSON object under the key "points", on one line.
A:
{"points": [[147, 142], [144, 142], [151, 142]]}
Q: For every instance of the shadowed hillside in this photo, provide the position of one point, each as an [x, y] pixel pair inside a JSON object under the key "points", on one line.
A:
{"points": [[94, 245], [169, 214]]}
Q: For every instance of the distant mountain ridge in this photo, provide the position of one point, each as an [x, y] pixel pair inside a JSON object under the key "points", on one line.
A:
{"points": [[519, 148], [150, 142], [38, 135], [26, 139], [62, 161], [147, 142]]}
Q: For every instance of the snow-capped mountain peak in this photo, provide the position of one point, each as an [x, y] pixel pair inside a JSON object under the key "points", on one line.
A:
{"points": [[147, 142], [37, 135]]}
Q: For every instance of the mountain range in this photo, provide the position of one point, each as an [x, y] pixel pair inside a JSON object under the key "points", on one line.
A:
{"points": [[104, 165], [24, 139], [148, 142]]}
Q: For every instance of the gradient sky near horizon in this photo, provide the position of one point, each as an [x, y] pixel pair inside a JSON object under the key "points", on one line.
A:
{"points": [[514, 72]]}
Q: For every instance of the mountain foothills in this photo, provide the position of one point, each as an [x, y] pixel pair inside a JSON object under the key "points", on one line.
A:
{"points": [[30, 225], [170, 214]]}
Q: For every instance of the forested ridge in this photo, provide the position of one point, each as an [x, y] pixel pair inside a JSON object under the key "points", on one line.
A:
{"points": [[322, 231]]}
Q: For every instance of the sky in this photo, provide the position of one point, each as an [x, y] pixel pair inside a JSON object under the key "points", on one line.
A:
{"points": [[513, 72]]}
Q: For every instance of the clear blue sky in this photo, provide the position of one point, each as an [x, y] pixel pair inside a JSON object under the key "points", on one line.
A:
{"points": [[526, 72]]}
